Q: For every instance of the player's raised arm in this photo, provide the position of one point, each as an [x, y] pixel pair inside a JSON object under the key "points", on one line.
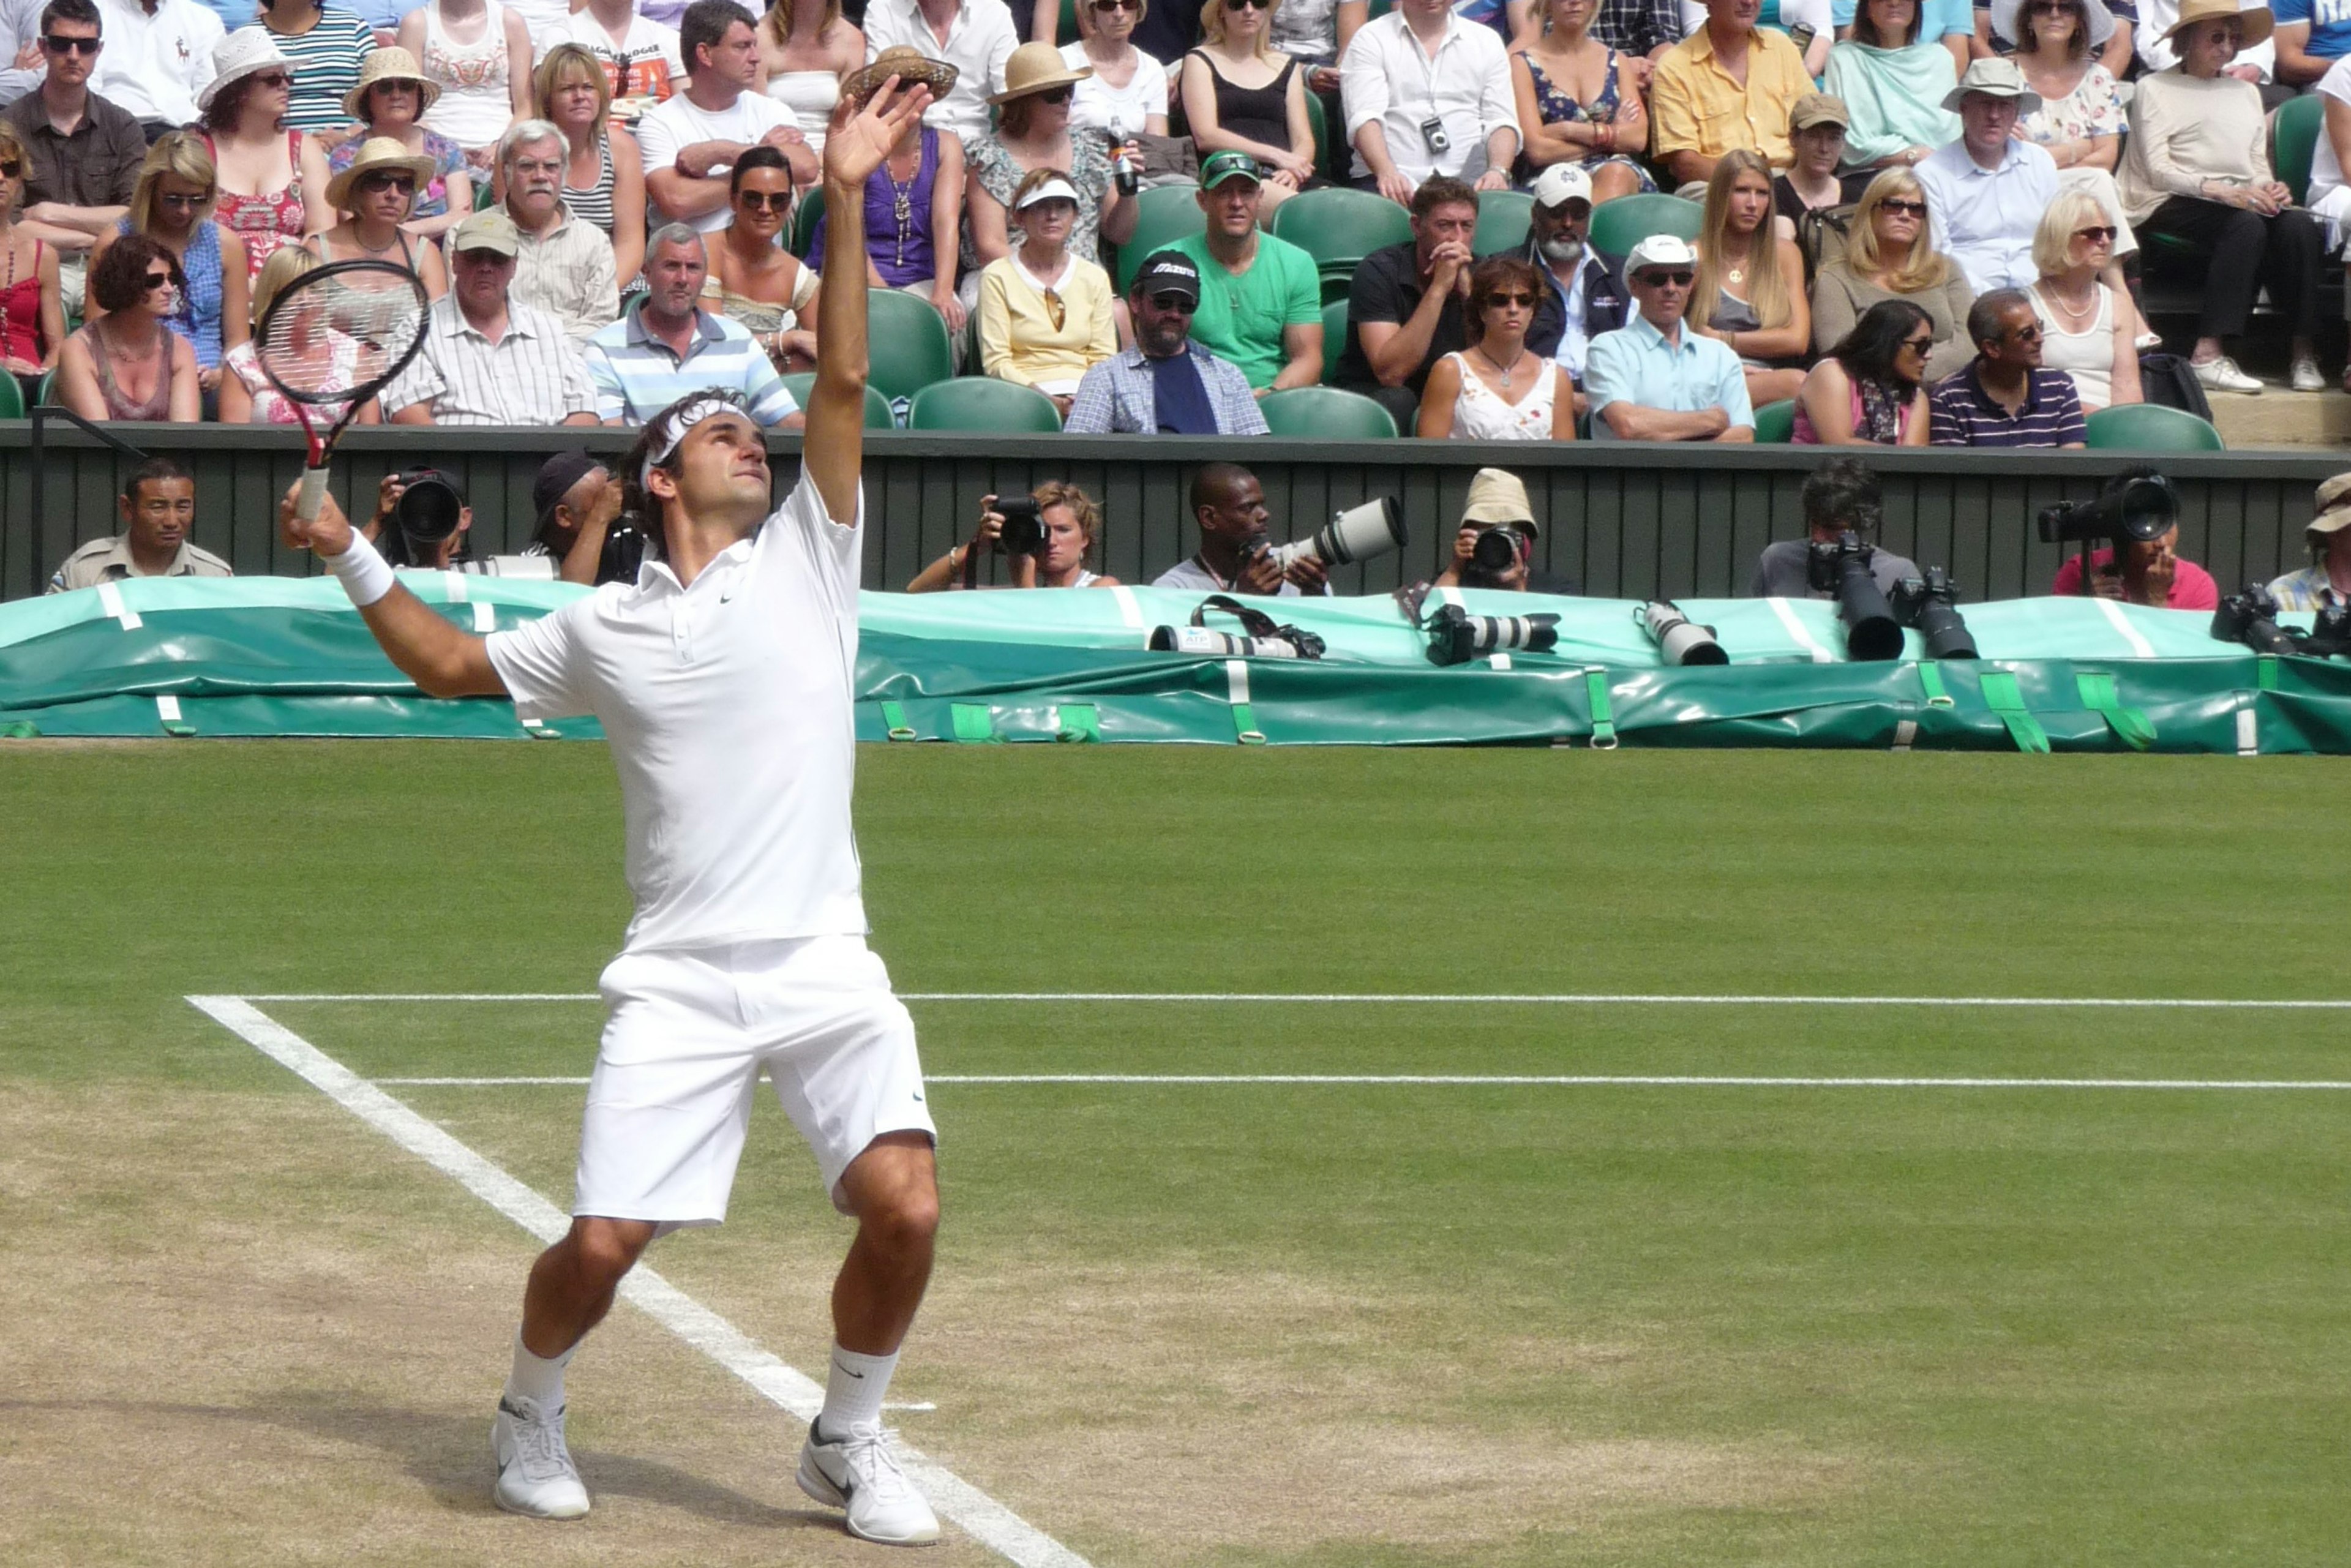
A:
{"points": [[860, 136], [443, 661]]}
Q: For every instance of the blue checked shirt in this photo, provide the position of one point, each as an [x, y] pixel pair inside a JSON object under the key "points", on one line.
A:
{"points": [[1119, 396], [2309, 588]]}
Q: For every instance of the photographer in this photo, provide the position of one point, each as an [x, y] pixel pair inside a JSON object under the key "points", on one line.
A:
{"points": [[1498, 506], [2325, 582], [1229, 506], [1841, 495], [421, 520], [1051, 543], [573, 502]]}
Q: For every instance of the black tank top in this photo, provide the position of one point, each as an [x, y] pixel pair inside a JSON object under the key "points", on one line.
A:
{"points": [[1259, 114]]}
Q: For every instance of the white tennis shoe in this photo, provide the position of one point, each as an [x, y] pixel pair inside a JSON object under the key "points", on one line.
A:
{"points": [[535, 1475], [858, 1473]]}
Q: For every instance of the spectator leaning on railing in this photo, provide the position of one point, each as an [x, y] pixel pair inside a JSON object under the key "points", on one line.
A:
{"points": [[159, 510], [2325, 582], [1166, 384], [665, 345], [487, 359], [2003, 397], [1654, 379]]}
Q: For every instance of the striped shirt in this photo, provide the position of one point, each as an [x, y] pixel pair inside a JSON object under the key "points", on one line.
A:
{"points": [[1963, 414], [326, 68], [567, 273], [637, 375], [532, 375]]}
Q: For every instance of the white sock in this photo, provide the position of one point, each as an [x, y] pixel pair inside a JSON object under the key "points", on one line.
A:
{"points": [[853, 1393], [537, 1378]]}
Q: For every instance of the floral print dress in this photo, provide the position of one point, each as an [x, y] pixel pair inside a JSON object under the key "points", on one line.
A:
{"points": [[1556, 107]]}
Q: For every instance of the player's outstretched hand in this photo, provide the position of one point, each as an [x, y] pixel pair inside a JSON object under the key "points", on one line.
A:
{"points": [[863, 134], [329, 533]]}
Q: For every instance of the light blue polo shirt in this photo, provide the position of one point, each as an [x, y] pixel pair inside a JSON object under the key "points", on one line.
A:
{"points": [[1635, 365]]}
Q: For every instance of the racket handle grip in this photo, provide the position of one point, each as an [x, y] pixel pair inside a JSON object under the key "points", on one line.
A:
{"points": [[313, 492]]}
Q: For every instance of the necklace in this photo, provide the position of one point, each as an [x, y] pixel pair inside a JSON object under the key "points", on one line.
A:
{"points": [[2076, 312], [1501, 369], [7, 343], [374, 250], [901, 200]]}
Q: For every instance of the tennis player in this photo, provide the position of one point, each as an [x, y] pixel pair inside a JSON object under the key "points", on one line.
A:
{"points": [[721, 677]]}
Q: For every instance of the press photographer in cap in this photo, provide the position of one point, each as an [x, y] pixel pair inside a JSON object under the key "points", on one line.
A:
{"points": [[1841, 496], [572, 504], [1494, 546], [1235, 554], [1046, 539], [2325, 582]]}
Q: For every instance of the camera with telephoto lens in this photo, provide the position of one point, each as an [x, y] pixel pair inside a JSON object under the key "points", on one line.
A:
{"points": [[427, 512], [2140, 504], [1498, 550], [1841, 567], [2329, 636], [2249, 617], [1681, 640], [1359, 533], [1024, 525], [1258, 638], [1927, 604], [1455, 636]]}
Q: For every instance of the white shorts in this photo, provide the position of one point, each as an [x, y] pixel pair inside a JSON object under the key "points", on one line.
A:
{"points": [[689, 1031]]}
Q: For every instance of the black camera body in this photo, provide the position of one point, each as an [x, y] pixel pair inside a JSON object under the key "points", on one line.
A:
{"points": [[1497, 549], [1024, 525], [2141, 506], [429, 510], [2249, 616], [624, 551], [1928, 605], [1841, 567], [2329, 636], [1455, 636]]}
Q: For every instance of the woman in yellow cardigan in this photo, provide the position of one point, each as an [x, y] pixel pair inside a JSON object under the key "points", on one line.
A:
{"points": [[1045, 314]]}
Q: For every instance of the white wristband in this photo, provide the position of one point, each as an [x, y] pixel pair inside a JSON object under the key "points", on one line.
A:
{"points": [[365, 575]]}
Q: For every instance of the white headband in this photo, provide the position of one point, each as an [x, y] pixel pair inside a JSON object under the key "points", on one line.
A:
{"points": [[684, 420]]}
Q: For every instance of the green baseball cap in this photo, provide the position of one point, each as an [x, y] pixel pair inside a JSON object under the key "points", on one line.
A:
{"points": [[1222, 166]]}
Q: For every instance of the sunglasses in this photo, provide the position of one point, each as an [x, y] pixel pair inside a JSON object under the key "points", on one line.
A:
{"points": [[176, 199], [1249, 5], [378, 180], [1177, 303], [767, 201], [1679, 279], [1907, 209], [1524, 301], [1057, 95], [279, 79], [10, 169], [2026, 334], [159, 280], [57, 45], [2098, 234], [1920, 345], [1118, 4]]}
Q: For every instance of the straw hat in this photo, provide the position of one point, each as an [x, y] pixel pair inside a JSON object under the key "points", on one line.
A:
{"points": [[1037, 68], [390, 64], [2256, 18], [1497, 497], [378, 153], [909, 65], [2333, 509], [237, 57]]}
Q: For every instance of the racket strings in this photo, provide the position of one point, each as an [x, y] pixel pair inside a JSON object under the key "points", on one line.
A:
{"points": [[321, 342]]}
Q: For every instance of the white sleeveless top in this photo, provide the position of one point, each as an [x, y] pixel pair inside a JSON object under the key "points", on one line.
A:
{"points": [[475, 106], [812, 95], [1480, 414], [2088, 355]]}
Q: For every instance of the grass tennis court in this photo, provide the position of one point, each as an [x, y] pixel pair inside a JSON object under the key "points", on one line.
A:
{"points": [[1241, 1323]]}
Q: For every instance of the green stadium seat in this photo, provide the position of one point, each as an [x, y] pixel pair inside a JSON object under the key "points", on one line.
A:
{"points": [[1339, 227], [47, 395], [1162, 214], [1334, 340], [1316, 117], [1326, 414], [2293, 142], [2151, 427], [1618, 226], [1503, 220], [984, 402], [804, 219], [907, 340], [1775, 423], [877, 407], [12, 397]]}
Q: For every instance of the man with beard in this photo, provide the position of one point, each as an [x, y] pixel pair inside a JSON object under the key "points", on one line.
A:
{"points": [[1586, 297], [565, 266], [1166, 384], [666, 346]]}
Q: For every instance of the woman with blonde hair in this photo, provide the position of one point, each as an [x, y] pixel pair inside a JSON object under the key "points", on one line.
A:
{"points": [[172, 205], [1128, 90], [1891, 256], [2088, 327], [1044, 314], [806, 49], [1073, 524], [32, 308], [1750, 290], [1242, 95], [1578, 103], [605, 178], [390, 101], [249, 397]]}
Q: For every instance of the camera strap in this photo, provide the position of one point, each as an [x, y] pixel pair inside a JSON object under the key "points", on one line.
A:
{"points": [[1255, 622]]}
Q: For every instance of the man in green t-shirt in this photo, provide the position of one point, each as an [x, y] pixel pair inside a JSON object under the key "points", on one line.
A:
{"points": [[1260, 300]]}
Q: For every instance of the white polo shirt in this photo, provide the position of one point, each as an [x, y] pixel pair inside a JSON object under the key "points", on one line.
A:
{"points": [[153, 67], [729, 707], [980, 39]]}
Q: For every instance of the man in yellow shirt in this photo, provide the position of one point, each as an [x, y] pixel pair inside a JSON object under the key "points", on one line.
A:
{"points": [[1726, 86]]}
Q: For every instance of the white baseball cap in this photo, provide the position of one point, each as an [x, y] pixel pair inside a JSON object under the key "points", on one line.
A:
{"points": [[1660, 250], [1561, 183]]}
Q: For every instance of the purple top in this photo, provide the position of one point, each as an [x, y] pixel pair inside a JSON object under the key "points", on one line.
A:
{"points": [[898, 220]]}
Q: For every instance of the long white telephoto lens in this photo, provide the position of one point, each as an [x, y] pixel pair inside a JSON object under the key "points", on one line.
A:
{"points": [[1359, 533], [1207, 642], [1681, 640]]}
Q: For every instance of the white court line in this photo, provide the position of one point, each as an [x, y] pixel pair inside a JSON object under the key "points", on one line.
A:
{"points": [[1652, 1081], [984, 1519], [1494, 998]]}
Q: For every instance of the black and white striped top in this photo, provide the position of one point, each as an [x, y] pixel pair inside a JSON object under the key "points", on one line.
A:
{"points": [[327, 61], [594, 205]]}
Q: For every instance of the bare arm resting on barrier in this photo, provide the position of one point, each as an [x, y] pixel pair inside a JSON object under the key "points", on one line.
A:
{"points": [[443, 661]]}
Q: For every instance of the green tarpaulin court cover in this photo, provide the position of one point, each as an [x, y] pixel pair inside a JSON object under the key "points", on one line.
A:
{"points": [[283, 656]]}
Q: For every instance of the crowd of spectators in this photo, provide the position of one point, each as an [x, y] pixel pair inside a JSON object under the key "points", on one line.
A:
{"points": [[1844, 156]]}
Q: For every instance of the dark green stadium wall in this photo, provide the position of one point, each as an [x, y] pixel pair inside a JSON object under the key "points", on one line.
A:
{"points": [[1622, 521]]}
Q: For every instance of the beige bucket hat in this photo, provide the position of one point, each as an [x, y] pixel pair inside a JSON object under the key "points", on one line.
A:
{"points": [[1037, 68], [390, 64]]}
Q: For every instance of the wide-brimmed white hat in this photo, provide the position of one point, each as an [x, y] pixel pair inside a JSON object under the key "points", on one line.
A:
{"points": [[2006, 17], [237, 57], [1995, 77]]}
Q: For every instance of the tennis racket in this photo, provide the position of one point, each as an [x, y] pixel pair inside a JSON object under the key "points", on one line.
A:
{"points": [[333, 338]]}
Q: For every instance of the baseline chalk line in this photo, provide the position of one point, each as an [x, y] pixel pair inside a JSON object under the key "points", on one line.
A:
{"points": [[1371, 999], [980, 1516], [1479, 1080]]}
